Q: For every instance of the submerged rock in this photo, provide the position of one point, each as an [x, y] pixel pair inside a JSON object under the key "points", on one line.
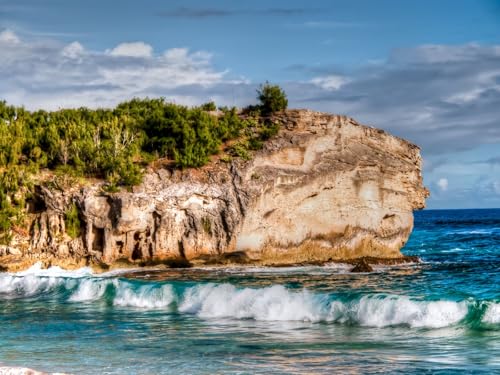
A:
{"points": [[325, 188], [362, 266]]}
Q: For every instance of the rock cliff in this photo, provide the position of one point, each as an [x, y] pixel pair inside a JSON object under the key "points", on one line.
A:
{"points": [[325, 188]]}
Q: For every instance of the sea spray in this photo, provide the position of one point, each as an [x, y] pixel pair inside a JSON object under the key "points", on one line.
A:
{"points": [[492, 314], [89, 290], [28, 286], [377, 311], [273, 303], [276, 303], [54, 271]]}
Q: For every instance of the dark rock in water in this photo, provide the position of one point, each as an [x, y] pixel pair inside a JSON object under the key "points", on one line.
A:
{"points": [[171, 263], [235, 257], [362, 266]]}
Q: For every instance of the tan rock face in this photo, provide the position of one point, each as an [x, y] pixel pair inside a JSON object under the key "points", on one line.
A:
{"points": [[324, 188]]}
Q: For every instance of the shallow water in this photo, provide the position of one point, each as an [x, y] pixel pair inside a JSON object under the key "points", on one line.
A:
{"points": [[441, 315]]}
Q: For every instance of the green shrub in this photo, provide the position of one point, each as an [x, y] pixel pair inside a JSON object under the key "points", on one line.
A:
{"points": [[252, 110], [72, 221], [5, 225], [269, 130], [15, 185], [255, 144], [226, 158], [240, 149], [272, 98], [209, 107], [130, 174]]}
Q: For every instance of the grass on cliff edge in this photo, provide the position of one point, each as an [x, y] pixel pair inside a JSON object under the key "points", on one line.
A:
{"points": [[116, 144]]}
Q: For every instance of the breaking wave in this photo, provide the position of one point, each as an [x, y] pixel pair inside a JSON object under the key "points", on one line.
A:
{"points": [[278, 303], [492, 314], [149, 296], [226, 301]]}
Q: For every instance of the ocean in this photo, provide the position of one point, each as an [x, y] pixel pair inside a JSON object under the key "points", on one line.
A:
{"points": [[438, 316]]}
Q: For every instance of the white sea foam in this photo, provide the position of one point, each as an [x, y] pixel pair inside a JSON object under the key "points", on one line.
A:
{"points": [[454, 250], [474, 231], [277, 303], [492, 314], [146, 296], [89, 290], [401, 310], [55, 271], [18, 371], [272, 303], [27, 286], [37, 280]]}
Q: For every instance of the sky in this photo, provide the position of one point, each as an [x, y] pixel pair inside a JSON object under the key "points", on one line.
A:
{"points": [[424, 70]]}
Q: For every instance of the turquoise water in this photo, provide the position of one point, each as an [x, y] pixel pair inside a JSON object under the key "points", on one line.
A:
{"points": [[441, 315]]}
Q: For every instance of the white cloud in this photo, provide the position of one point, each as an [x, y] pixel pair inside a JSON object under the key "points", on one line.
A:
{"points": [[73, 50], [439, 53], [176, 54], [330, 82], [135, 49], [8, 36], [443, 184], [47, 74]]}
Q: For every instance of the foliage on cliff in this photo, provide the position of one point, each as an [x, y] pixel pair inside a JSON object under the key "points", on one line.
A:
{"points": [[116, 144], [72, 221], [272, 98]]}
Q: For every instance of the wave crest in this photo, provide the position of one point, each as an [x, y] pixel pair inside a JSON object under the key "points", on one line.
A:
{"points": [[147, 296], [272, 303], [278, 303], [226, 301], [401, 310]]}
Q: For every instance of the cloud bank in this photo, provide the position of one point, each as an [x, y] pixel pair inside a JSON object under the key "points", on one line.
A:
{"points": [[434, 95], [47, 74]]}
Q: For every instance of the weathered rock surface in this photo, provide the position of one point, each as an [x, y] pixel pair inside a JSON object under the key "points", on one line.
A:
{"points": [[326, 188]]}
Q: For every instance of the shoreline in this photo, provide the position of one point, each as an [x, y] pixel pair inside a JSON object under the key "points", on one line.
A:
{"points": [[361, 264]]}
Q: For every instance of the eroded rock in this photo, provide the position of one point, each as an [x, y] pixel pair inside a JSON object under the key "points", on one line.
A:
{"points": [[325, 188]]}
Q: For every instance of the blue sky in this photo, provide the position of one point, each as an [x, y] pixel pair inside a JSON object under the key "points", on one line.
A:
{"points": [[428, 71]]}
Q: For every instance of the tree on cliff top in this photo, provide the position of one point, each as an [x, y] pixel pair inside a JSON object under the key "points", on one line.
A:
{"points": [[272, 98]]}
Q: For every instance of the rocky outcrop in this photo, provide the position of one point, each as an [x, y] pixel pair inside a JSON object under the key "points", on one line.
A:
{"points": [[325, 188]]}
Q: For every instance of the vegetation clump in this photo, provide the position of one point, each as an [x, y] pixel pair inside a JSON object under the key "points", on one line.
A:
{"points": [[72, 221], [272, 99]]}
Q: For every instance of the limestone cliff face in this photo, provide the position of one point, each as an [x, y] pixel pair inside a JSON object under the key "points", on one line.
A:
{"points": [[325, 188]]}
